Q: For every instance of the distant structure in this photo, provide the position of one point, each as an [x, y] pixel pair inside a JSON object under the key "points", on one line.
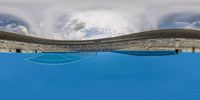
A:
{"points": [[156, 40]]}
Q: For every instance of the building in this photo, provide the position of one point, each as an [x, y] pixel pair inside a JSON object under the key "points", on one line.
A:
{"points": [[156, 40]]}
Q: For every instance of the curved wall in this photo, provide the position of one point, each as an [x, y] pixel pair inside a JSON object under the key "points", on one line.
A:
{"points": [[170, 39]]}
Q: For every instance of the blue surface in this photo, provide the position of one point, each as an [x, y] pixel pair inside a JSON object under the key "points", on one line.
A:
{"points": [[59, 58], [105, 76], [148, 53]]}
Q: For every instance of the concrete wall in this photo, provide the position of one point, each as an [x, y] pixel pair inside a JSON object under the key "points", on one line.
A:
{"points": [[186, 45], [176, 39]]}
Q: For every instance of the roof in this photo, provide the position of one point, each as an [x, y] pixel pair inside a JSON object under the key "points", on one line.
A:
{"points": [[165, 33]]}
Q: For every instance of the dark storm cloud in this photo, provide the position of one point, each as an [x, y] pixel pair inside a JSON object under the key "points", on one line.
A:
{"points": [[12, 23], [180, 20]]}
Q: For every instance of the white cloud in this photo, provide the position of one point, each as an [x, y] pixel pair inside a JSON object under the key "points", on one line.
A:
{"points": [[88, 19], [18, 29], [94, 24]]}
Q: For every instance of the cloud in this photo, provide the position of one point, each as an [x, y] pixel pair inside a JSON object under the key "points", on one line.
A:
{"points": [[90, 19], [12, 23], [18, 29], [92, 24], [185, 20]]}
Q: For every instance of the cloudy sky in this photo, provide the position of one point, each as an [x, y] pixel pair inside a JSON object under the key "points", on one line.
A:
{"points": [[90, 19]]}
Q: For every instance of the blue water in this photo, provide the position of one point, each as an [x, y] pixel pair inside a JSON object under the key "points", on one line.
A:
{"points": [[101, 76]]}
